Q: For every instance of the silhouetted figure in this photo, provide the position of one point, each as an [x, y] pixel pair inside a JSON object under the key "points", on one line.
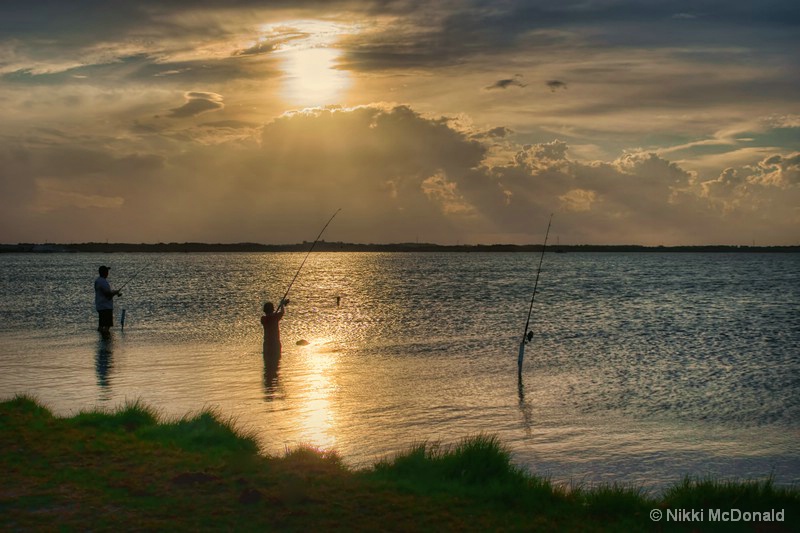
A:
{"points": [[104, 301], [272, 330]]}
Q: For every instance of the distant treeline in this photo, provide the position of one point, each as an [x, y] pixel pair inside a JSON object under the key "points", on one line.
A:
{"points": [[323, 246]]}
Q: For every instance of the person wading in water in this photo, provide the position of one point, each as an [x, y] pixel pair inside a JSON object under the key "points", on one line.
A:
{"points": [[104, 301], [272, 331]]}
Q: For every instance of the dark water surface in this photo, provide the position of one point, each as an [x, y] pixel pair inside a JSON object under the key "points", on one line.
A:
{"points": [[645, 367]]}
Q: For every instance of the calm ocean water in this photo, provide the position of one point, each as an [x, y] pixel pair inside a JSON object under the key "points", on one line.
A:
{"points": [[644, 368]]}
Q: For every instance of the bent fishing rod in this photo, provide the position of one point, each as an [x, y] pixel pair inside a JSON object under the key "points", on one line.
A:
{"points": [[528, 335], [281, 303]]}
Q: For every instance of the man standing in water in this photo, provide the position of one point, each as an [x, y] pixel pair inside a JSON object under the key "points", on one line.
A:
{"points": [[272, 331], [104, 300]]}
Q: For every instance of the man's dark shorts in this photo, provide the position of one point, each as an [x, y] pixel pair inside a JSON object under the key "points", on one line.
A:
{"points": [[106, 318]]}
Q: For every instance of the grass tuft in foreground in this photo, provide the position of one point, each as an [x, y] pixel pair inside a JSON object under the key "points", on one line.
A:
{"points": [[478, 466], [709, 493], [128, 468], [131, 417]]}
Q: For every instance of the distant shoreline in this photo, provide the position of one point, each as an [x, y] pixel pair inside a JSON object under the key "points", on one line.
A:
{"points": [[324, 246]]}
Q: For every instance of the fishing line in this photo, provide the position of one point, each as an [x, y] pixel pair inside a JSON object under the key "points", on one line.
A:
{"points": [[134, 275], [528, 335], [306, 257]]}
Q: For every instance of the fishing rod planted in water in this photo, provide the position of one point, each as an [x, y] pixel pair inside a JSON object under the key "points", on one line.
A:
{"points": [[281, 303], [527, 335], [122, 317]]}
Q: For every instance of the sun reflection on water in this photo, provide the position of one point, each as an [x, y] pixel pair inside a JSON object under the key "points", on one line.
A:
{"points": [[316, 419]]}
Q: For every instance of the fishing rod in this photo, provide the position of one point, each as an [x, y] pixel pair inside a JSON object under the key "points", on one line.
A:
{"points": [[134, 276], [281, 303], [528, 335], [122, 317]]}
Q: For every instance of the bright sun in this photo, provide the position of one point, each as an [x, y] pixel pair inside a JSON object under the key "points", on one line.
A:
{"points": [[308, 52], [311, 77]]}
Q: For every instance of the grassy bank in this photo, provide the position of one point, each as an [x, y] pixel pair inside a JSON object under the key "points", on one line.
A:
{"points": [[129, 470]]}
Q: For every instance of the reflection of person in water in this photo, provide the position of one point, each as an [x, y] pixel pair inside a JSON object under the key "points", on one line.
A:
{"points": [[272, 331], [102, 366], [271, 376], [525, 407]]}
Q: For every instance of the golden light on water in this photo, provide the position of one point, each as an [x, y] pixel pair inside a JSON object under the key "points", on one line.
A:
{"points": [[317, 420]]}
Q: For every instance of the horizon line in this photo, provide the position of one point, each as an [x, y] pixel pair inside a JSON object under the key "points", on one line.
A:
{"points": [[332, 245]]}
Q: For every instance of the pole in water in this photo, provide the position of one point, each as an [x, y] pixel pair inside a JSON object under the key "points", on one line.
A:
{"points": [[122, 317], [306, 257], [527, 335]]}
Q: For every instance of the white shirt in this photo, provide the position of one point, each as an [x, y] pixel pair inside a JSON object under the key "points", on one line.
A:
{"points": [[102, 294]]}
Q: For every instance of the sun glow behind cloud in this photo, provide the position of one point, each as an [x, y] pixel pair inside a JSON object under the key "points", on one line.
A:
{"points": [[311, 78], [309, 56]]}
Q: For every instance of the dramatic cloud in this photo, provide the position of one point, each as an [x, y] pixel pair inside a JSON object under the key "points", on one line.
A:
{"points": [[397, 175], [673, 126], [783, 172]]}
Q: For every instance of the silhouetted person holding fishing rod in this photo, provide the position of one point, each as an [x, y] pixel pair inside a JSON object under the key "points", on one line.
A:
{"points": [[272, 330], [272, 333], [104, 301], [271, 318]]}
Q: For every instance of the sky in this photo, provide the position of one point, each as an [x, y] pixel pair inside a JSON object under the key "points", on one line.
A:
{"points": [[652, 122]]}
